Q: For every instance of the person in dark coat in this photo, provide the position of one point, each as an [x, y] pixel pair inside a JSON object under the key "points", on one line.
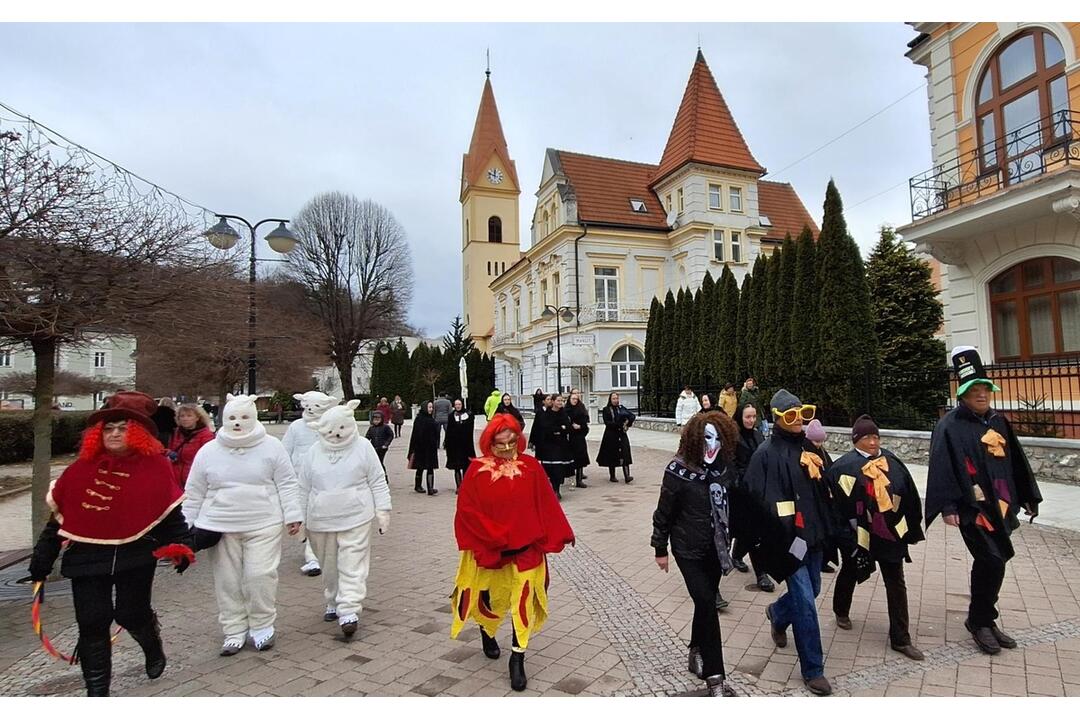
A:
{"points": [[164, 418], [707, 403], [542, 408], [579, 429], [538, 399], [794, 521], [978, 480], [424, 448], [459, 446], [880, 516], [615, 445], [192, 432], [552, 437], [815, 442], [693, 512], [384, 409], [749, 440], [380, 436], [397, 415], [507, 406]]}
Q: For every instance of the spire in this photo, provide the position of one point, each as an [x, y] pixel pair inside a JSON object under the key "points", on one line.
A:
{"points": [[704, 130], [487, 140]]}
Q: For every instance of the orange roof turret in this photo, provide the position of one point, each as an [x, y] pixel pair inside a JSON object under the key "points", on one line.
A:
{"points": [[487, 139]]}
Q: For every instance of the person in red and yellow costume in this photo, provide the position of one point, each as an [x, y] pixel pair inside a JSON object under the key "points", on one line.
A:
{"points": [[508, 519], [118, 508]]}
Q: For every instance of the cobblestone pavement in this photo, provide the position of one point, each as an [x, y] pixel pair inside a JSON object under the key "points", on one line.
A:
{"points": [[618, 625]]}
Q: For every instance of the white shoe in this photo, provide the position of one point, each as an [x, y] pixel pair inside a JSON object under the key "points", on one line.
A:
{"points": [[263, 639], [311, 568]]}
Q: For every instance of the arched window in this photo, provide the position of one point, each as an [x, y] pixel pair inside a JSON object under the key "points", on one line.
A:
{"points": [[1035, 309], [1021, 105], [547, 224], [495, 229], [626, 363]]}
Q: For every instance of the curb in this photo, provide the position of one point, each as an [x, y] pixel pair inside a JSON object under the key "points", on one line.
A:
{"points": [[14, 491]]}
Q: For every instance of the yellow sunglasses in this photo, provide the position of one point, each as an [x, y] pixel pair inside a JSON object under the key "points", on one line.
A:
{"points": [[789, 416]]}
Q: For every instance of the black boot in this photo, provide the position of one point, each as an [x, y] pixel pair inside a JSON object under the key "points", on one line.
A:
{"points": [[579, 479], [626, 474], [419, 479], [491, 645], [431, 483], [95, 656], [518, 681], [611, 477], [149, 639], [457, 481]]}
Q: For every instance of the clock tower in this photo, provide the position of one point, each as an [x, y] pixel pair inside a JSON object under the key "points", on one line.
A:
{"points": [[489, 218]]}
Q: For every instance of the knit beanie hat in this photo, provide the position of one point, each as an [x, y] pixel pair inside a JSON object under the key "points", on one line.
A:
{"points": [[864, 426], [783, 400], [815, 432]]}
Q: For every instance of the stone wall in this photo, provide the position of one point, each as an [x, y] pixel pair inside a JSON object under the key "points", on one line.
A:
{"points": [[1052, 459]]}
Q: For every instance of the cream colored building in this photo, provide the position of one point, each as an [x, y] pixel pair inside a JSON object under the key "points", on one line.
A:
{"points": [[102, 357]]}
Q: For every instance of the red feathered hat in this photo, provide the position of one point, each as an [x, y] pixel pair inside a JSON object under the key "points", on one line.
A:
{"points": [[127, 405], [498, 423]]}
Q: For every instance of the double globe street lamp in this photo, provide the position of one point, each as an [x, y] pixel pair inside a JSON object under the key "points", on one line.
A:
{"points": [[224, 237], [566, 315]]}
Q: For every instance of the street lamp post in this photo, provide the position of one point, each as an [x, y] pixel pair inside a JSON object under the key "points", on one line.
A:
{"points": [[558, 313], [280, 239]]}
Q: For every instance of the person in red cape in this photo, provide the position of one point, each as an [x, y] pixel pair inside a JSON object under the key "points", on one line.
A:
{"points": [[507, 520], [118, 508]]}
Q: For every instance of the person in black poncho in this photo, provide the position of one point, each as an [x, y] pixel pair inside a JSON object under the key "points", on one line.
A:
{"points": [[459, 446], [507, 406], [424, 448], [615, 445], [978, 480], [551, 435], [749, 440], [579, 429]]}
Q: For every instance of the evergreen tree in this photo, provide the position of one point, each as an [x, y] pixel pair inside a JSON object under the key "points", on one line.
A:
{"points": [[683, 301], [668, 371], [757, 322], [652, 354], [742, 331], [481, 375], [802, 323], [704, 332], [847, 345], [420, 365], [786, 306], [725, 338], [457, 342], [691, 348], [401, 379]]}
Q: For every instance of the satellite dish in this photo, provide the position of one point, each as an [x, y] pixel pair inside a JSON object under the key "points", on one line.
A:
{"points": [[672, 218]]}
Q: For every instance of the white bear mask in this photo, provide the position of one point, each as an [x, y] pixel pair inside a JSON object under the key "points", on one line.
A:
{"points": [[240, 426], [337, 427], [315, 403]]}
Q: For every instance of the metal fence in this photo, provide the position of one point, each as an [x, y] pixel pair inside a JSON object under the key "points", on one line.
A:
{"points": [[1041, 398]]}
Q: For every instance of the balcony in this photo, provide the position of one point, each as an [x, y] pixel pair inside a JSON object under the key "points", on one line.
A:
{"points": [[613, 312], [1038, 148], [513, 337]]}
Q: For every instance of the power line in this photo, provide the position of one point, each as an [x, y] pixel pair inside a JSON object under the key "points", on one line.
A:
{"points": [[875, 195]]}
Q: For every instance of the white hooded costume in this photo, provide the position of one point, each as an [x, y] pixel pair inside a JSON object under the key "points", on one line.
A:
{"points": [[342, 489], [298, 440], [242, 485]]}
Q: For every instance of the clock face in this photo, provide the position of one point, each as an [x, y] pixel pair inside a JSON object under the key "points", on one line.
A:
{"points": [[495, 176]]}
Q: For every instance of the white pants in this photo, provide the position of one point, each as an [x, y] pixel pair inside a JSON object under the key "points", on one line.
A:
{"points": [[309, 554], [246, 578], [345, 558]]}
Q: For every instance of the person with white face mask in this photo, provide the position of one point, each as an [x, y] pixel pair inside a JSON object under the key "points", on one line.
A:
{"points": [[297, 441], [342, 489], [242, 485]]}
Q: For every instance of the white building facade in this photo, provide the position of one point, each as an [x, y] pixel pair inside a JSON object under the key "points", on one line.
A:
{"points": [[103, 357]]}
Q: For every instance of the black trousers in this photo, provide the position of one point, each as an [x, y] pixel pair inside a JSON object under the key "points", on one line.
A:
{"points": [[397, 430], [702, 578], [892, 574], [95, 609], [556, 474], [757, 563], [987, 574], [381, 452]]}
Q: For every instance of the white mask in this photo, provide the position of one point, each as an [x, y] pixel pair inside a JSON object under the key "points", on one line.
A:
{"points": [[240, 418], [337, 426], [315, 403], [712, 444]]}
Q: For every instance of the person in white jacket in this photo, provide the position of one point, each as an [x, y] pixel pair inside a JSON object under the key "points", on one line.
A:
{"points": [[297, 441], [686, 407], [342, 490], [243, 486]]}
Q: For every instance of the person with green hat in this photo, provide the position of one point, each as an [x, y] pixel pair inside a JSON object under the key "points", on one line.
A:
{"points": [[978, 480]]}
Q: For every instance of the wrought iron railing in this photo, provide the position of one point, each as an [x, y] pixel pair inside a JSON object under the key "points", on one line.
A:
{"points": [[613, 312], [1042, 146]]}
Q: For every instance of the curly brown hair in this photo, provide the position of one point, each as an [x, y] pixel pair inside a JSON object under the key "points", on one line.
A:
{"points": [[692, 442]]}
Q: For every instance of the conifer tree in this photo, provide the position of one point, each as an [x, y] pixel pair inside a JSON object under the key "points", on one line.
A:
{"points": [[668, 371], [755, 316], [652, 354], [802, 323], [704, 331], [726, 335], [693, 366], [786, 306], [683, 301], [742, 331]]}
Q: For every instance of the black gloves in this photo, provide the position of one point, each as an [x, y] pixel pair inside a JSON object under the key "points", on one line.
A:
{"points": [[202, 540], [864, 565], [40, 569], [182, 565]]}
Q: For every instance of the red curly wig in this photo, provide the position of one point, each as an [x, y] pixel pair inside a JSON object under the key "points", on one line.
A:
{"points": [[498, 423], [139, 440]]}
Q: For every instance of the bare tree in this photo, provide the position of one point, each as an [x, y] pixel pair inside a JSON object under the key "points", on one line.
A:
{"points": [[355, 265], [64, 383]]}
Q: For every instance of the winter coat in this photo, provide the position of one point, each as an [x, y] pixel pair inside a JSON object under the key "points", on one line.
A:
{"points": [[165, 420], [397, 413], [459, 446], [380, 436], [298, 440], [384, 408], [729, 402], [243, 489], [342, 489], [511, 410], [492, 404], [424, 443], [749, 440], [684, 511], [182, 450], [615, 445], [538, 401], [686, 407], [579, 449], [551, 434], [443, 408]]}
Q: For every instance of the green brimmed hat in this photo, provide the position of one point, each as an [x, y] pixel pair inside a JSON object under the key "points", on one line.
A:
{"points": [[969, 369]]}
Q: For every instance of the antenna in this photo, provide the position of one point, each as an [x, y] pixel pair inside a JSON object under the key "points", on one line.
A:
{"points": [[487, 72], [672, 218]]}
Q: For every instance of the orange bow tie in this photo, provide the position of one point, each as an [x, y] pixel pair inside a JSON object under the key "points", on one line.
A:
{"points": [[813, 464], [875, 470], [995, 444]]}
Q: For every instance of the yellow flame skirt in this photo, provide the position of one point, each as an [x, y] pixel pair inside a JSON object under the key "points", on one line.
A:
{"points": [[523, 594]]}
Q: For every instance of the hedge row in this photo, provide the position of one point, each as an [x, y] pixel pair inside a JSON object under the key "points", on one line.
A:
{"points": [[17, 434]]}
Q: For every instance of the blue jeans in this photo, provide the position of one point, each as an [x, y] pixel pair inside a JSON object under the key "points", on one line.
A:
{"points": [[796, 608]]}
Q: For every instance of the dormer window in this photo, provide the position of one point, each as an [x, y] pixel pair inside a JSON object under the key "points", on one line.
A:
{"points": [[764, 221], [638, 206], [714, 197], [679, 199]]}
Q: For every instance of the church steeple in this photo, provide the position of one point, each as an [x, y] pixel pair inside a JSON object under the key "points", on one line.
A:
{"points": [[487, 142]]}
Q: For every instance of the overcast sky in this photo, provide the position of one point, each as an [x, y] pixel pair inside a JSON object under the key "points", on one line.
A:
{"points": [[255, 119]]}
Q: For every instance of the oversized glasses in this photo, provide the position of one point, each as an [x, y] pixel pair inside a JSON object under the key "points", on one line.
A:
{"points": [[789, 416]]}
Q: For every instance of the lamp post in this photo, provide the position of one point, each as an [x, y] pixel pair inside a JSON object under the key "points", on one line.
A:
{"points": [[558, 313], [280, 239]]}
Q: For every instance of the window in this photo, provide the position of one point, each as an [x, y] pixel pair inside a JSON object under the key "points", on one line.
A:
{"points": [[718, 245], [495, 229], [543, 293], [555, 285], [1021, 105], [606, 286], [99, 398], [736, 246], [466, 230], [735, 199], [1035, 309], [489, 268], [626, 363], [667, 202], [547, 224], [679, 199], [5, 358], [638, 206], [714, 197], [99, 360], [517, 313]]}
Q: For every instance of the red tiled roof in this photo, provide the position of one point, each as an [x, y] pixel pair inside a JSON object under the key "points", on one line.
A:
{"points": [[704, 130], [781, 204], [487, 139], [604, 188]]}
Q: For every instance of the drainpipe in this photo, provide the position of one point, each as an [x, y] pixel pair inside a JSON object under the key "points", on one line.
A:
{"points": [[577, 277]]}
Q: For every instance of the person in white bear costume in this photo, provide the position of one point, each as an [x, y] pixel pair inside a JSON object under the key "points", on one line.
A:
{"points": [[243, 486], [298, 440], [343, 489]]}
